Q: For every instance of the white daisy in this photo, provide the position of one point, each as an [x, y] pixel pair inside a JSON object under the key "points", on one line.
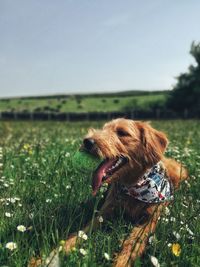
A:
{"points": [[83, 251], [177, 235], [8, 214], [82, 235], [100, 219], [154, 261], [21, 228], [106, 256], [11, 245]]}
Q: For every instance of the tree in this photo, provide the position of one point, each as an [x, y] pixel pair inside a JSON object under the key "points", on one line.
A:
{"points": [[186, 93]]}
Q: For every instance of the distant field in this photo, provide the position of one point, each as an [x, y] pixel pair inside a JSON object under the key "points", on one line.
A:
{"points": [[42, 191], [84, 103]]}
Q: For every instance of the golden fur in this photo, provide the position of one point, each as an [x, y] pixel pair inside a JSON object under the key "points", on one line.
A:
{"points": [[144, 146]]}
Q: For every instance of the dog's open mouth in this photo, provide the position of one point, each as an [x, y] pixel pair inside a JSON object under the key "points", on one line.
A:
{"points": [[105, 170]]}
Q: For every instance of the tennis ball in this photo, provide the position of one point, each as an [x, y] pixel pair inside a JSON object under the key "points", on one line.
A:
{"points": [[85, 161]]}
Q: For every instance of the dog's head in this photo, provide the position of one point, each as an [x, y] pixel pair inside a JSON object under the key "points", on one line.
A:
{"points": [[126, 147]]}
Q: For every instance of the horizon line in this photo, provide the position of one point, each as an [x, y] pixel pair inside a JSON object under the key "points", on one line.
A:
{"points": [[85, 92]]}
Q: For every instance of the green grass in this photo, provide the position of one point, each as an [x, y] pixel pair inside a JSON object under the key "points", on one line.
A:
{"points": [[84, 104], [36, 169]]}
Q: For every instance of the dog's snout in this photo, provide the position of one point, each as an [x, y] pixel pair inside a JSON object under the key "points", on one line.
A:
{"points": [[88, 143]]}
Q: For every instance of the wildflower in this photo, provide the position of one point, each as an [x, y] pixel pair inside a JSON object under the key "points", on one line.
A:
{"points": [[83, 251], [100, 219], [31, 215], [189, 231], [176, 249], [67, 154], [68, 186], [82, 235], [154, 261], [62, 242], [28, 149], [167, 211], [104, 188], [26, 146], [152, 239], [187, 183], [169, 245], [172, 219], [43, 182], [11, 200], [106, 256], [11, 245], [177, 235], [8, 214], [21, 228], [60, 248], [184, 205], [165, 220]]}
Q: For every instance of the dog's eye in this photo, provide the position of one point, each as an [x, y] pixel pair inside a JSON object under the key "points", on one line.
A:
{"points": [[121, 133]]}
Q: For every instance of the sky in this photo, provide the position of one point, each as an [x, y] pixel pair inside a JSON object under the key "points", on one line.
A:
{"points": [[74, 46]]}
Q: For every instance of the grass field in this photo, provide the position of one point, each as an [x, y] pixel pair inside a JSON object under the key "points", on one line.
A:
{"points": [[84, 103], [42, 198]]}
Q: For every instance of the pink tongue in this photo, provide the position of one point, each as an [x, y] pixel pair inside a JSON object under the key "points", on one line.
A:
{"points": [[98, 175]]}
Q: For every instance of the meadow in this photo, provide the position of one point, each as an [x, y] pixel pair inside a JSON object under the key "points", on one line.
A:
{"points": [[99, 103], [43, 198]]}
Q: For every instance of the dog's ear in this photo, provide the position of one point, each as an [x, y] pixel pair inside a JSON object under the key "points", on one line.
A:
{"points": [[153, 142]]}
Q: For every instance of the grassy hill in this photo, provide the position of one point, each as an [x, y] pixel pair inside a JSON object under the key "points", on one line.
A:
{"points": [[86, 103]]}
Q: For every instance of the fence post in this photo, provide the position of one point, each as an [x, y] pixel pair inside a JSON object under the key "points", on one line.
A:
{"points": [[15, 115], [67, 116], [87, 116], [31, 116], [132, 114], [185, 113], [49, 116], [157, 113]]}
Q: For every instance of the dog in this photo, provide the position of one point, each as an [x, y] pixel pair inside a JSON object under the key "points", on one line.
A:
{"points": [[141, 180]]}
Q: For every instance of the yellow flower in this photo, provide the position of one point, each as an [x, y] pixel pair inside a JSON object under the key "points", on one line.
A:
{"points": [[176, 249], [28, 149], [62, 242], [26, 146]]}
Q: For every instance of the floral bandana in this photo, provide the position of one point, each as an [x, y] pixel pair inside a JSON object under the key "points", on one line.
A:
{"points": [[153, 187]]}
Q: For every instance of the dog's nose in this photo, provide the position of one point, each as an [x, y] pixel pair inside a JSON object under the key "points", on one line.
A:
{"points": [[88, 143]]}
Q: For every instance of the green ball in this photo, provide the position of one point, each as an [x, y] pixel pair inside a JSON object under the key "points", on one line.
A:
{"points": [[84, 161]]}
